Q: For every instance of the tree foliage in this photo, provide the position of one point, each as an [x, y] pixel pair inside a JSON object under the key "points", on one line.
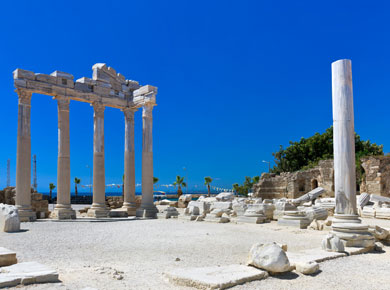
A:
{"points": [[246, 187], [307, 152]]}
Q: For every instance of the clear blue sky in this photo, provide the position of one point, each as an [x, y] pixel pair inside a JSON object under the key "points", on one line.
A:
{"points": [[236, 79]]}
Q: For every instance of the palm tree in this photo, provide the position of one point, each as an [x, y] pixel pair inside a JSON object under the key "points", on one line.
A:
{"points": [[51, 187], [155, 180], [236, 187], [179, 183], [76, 181], [207, 181]]}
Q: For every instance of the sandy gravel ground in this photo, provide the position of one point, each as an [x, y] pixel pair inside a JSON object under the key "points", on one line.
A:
{"points": [[133, 254]]}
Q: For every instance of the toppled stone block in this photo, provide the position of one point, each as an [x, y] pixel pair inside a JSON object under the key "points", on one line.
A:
{"points": [[223, 205], [332, 243], [9, 218], [307, 268], [378, 232], [7, 258], [26, 273], [269, 257], [225, 196], [310, 196], [363, 199], [214, 277]]}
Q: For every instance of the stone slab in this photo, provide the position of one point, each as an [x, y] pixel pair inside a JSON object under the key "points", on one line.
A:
{"points": [[297, 223], [7, 257], [215, 277], [118, 212], [313, 255], [251, 220], [26, 273]]}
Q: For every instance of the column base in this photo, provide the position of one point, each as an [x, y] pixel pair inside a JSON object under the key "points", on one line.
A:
{"points": [[26, 214], [62, 212], [351, 231], [148, 211], [130, 207], [98, 211]]}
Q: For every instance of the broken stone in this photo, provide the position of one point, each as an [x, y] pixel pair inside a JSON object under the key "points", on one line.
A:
{"points": [[215, 277], [332, 243], [225, 196], [269, 257], [363, 199], [378, 232], [9, 218], [7, 257], [26, 273], [307, 268]]}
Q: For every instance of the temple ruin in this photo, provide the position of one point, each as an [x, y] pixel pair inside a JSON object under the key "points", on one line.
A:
{"points": [[107, 88]]}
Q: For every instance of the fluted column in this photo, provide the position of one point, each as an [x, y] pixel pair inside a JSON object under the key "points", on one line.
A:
{"points": [[147, 209], [346, 224], [63, 209], [129, 178], [98, 208], [23, 158]]}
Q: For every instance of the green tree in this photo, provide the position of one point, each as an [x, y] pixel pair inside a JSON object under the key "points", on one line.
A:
{"points": [[179, 183], [155, 180], [76, 182], [207, 181], [246, 187], [51, 187], [307, 152]]}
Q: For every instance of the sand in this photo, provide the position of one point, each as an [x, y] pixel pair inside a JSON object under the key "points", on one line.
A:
{"points": [[133, 254]]}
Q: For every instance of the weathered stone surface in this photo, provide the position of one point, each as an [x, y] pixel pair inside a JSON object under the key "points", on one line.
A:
{"points": [[332, 243], [9, 218], [307, 268], [269, 257], [378, 232], [316, 213], [225, 196], [310, 196], [239, 208], [363, 199], [214, 277], [382, 212], [223, 205], [368, 211], [294, 219], [7, 258], [26, 273], [185, 198]]}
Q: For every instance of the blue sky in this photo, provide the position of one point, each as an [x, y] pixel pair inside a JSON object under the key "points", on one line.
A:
{"points": [[236, 79]]}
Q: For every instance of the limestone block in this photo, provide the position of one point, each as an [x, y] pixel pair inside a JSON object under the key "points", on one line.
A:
{"points": [[192, 210], [316, 213], [294, 219], [368, 211], [363, 199], [239, 208], [9, 218], [269, 257], [46, 78], [204, 207], [144, 90], [185, 198], [332, 243], [311, 195], [23, 74], [382, 213], [7, 258], [252, 219], [214, 277], [225, 196], [26, 273], [378, 232], [223, 205], [307, 268], [85, 88]]}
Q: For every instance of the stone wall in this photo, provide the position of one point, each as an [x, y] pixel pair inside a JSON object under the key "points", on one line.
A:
{"points": [[296, 184], [376, 178], [7, 195]]}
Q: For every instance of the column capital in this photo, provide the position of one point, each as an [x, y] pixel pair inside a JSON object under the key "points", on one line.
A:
{"points": [[129, 113], [98, 109], [147, 110], [24, 96], [63, 103]]}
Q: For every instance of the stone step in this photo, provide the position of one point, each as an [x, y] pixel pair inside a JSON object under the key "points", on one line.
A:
{"points": [[26, 273], [7, 257]]}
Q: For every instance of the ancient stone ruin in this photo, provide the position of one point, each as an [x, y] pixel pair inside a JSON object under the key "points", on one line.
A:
{"points": [[107, 88]]}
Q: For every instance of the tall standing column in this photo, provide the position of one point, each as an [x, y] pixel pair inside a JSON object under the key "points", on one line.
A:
{"points": [[147, 209], [98, 208], [346, 224], [23, 159], [63, 209], [129, 178]]}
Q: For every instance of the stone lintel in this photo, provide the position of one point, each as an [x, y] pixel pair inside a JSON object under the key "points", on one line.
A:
{"points": [[145, 90], [63, 75]]}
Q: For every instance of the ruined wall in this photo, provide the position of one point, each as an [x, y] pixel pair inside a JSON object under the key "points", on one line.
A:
{"points": [[376, 179], [296, 184]]}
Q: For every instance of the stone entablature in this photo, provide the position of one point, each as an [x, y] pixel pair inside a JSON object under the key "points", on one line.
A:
{"points": [[106, 87]]}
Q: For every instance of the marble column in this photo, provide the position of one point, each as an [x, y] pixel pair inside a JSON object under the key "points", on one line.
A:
{"points": [[98, 208], [23, 159], [129, 178], [346, 224], [63, 209], [147, 208]]}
